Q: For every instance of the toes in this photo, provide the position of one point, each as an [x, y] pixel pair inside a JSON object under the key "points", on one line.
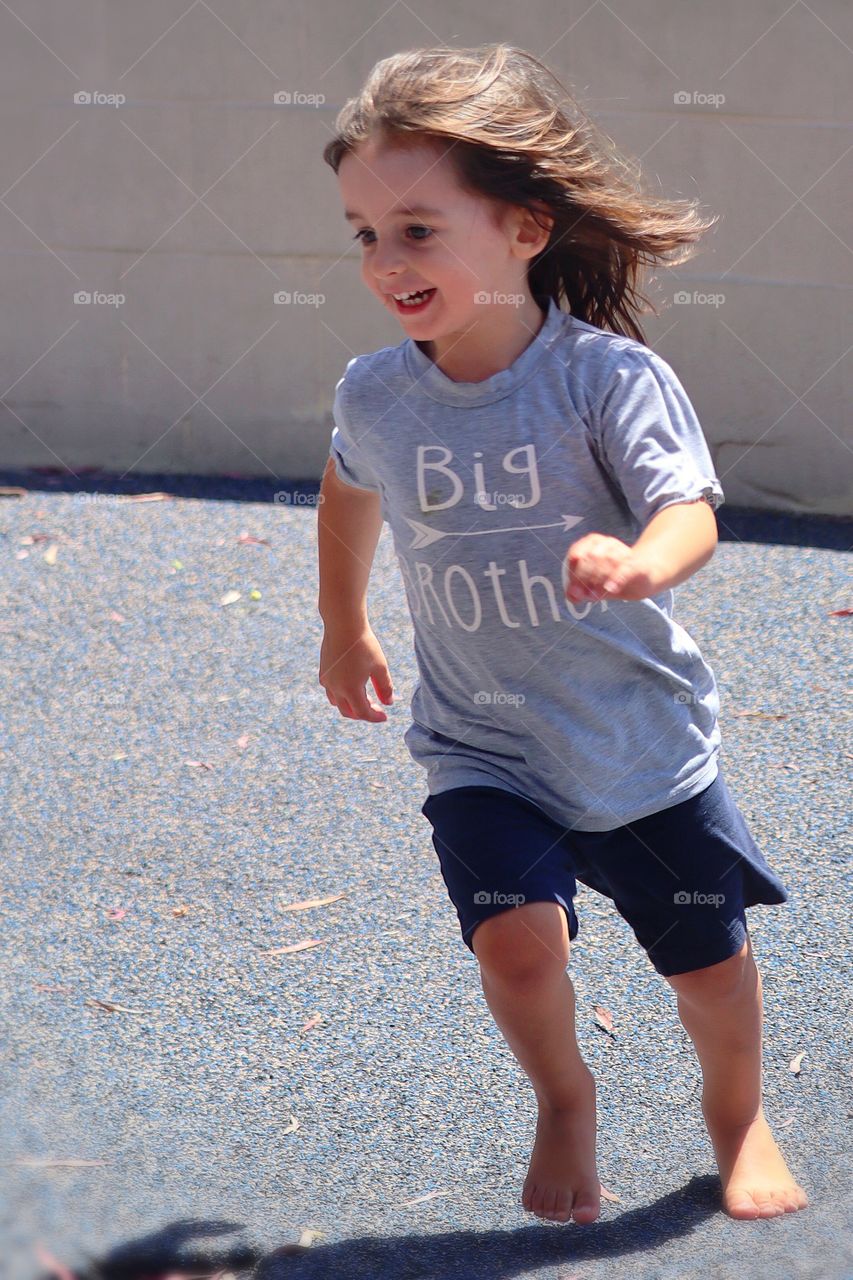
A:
{"points": [[531, 1196], [767, 1206], [587, 1206], [754, 1203], [545, 1202], [562, 1208], [741, 1204], [742, 1207], [549, 1202], [792, 1199]]}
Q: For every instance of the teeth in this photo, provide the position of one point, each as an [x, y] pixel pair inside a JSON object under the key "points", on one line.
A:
{"points": [[405, 297]]}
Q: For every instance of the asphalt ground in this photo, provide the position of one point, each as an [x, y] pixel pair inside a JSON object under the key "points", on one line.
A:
{"points": [[173, 777]]}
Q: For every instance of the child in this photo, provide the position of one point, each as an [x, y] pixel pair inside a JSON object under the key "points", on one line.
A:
{"points": [[547, 484]]}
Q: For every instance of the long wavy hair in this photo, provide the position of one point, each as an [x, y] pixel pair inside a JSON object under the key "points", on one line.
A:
{"points": [[516, 135]]}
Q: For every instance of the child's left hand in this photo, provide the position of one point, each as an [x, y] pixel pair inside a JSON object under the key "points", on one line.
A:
{"points": [[599, 567]]}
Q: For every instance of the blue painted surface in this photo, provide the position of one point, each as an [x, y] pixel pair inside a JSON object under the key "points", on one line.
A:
{"points": [[406, 1086]]}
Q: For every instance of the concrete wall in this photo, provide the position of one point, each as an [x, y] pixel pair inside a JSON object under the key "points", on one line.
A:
{"points": [[198, 198]]}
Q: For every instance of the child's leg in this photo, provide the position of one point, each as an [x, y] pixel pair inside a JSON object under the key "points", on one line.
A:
{"points": [[721, 1009], [523, 953]]}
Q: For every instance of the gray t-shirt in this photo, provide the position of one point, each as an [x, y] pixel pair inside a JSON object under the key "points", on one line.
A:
{"points": [[598, 712]]}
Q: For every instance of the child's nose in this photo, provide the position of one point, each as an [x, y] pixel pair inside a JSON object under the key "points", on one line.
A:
{"points": [[386, 263]]}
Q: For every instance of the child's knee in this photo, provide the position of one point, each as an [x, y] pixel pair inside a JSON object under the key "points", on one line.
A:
{"points": [[717, 981], [529, 943]]}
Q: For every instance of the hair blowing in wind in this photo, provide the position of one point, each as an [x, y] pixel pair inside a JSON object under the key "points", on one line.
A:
{"points": [[515, 135]]}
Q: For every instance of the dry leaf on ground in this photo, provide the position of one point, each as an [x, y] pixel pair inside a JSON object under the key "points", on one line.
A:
{"points": [[110, 1007], [48, 1162], [765, 715], [143, 497], [604, 1019], [312, 902], [430, 1195], [54, 1266], [296, 946]]}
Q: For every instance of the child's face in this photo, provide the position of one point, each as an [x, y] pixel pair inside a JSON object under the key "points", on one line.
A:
{"points": [[464, 247]]}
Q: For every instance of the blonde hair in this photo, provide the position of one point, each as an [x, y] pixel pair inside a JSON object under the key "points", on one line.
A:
{"points": [[516, 136]]}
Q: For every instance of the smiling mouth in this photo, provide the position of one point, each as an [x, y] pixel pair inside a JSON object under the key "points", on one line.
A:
{"points": [[418, 302]]}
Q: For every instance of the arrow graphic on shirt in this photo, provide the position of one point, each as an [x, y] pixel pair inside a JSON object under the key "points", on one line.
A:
{"points": [[425, 534]]}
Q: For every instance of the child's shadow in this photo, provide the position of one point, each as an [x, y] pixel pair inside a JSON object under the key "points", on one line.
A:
{"points": [[454, 1255]]}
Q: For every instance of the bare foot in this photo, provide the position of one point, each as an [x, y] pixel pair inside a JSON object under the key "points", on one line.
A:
{"points": [[756, 1181], [562, 1181]]}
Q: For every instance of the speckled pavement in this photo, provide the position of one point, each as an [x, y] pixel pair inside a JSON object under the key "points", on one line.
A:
{"points": [[174, 776]]}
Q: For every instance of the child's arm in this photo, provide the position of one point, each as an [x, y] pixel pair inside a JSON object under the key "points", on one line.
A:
{"points": [[349, 522], [674, 544]]}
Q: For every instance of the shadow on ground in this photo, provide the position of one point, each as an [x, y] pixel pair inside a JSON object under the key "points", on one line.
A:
{"points": [[172, 1252]]}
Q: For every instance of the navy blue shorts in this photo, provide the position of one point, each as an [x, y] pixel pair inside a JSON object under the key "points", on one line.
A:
{"points": [[680, 877]]}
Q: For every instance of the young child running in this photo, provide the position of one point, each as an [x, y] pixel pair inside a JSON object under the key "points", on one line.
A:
{"points": [[547, 484]]}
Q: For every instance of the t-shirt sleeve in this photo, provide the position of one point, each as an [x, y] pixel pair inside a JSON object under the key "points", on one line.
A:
{"points": [[650, 439], [350, 462]]}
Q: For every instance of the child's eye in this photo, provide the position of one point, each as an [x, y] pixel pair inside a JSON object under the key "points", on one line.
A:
{"points": [[365, 231]]}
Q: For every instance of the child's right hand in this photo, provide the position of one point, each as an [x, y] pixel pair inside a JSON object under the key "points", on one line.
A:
{"points": [[347, 660]]}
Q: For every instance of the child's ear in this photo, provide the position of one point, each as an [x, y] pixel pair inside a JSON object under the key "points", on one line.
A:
{"points": [[546, 219], [534, 230]]}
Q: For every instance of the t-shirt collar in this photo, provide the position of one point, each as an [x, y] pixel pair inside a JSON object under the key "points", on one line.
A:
{"points": [[436, 384]]}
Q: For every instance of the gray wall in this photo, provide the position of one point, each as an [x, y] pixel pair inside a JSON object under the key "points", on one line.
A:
{"points": [[199, 198]]}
